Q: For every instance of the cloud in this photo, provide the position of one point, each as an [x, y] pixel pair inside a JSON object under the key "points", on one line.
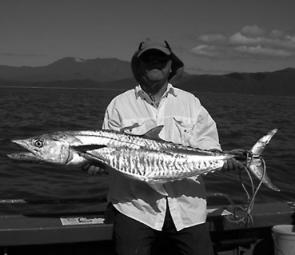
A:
{"points": [[250, 41], [291, 39], [263, 51], [252, 31], [206, 50], [213, 38], [277, 33], [239, 38]]}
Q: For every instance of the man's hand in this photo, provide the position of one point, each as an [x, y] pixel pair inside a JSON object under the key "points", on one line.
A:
{"points": [[93, 169], [234, 164]]}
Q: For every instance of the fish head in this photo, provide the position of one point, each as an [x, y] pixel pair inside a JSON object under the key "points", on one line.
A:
{"points": [[48, 148]]}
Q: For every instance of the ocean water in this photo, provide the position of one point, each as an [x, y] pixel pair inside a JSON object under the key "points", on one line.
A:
{"points": [[39, 188]]}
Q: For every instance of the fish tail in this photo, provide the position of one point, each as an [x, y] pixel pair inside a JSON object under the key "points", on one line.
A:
{"points": [[256, 163]]}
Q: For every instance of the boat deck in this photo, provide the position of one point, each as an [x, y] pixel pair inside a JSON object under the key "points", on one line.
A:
{"points": [[73, 233]]}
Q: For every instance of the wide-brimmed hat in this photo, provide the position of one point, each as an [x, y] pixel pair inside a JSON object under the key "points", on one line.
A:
{"points": [[153, 45], [176, 65]]}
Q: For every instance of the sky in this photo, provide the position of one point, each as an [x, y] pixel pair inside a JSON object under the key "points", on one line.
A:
{"points": [[210, 36]]}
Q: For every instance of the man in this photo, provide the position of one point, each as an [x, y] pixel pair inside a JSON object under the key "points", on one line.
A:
{"points": [[179, 212]]}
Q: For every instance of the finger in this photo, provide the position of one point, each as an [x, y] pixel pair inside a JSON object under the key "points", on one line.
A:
{"points": [[236, 164], [227, 166], [232, 164], [238, 153], [224, 167], [93, 170], [85, 167], [240, 164]]}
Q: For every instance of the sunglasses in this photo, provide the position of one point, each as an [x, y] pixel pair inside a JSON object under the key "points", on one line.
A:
{"points": [[154, 56]]}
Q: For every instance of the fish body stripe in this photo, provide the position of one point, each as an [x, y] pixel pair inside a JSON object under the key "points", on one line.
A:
{"points": [[152, 165], [115, 139]]}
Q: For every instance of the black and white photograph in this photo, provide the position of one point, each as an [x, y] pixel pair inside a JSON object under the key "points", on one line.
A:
{"points": [[147, 127]]}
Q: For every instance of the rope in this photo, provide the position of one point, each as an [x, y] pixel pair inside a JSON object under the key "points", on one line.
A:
{"points": [[241, 214]]}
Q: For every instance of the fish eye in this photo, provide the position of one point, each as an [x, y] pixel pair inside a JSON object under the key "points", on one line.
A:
{"points": [[38, 143]]}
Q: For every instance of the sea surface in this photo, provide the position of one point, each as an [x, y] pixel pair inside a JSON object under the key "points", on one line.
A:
{"points": [[29, 188]]}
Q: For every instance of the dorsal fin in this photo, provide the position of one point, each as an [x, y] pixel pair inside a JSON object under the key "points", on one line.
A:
{"points": [[154, 133], [151, 134]]}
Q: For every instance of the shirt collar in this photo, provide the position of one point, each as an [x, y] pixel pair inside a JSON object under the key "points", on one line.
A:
{"points": [[139, 92]]}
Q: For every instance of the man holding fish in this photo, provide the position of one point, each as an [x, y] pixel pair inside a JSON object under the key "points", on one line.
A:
{"points": [[176, 209], [156, 142]]}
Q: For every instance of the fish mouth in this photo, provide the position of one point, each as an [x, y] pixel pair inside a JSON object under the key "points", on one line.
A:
{"points": [[22, 143], [23, 156], [28, 155]]}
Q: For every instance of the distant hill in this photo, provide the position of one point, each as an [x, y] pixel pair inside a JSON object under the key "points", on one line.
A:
{"points": [[100, 70], [280, 82], [116, 74]]}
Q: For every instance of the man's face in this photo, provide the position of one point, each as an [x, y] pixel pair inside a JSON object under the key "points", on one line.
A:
{"points": [[156, 67], [155, 63]]}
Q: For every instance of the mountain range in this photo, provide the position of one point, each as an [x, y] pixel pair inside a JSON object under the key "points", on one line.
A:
{"points": [[101, 70], [116, 74]]}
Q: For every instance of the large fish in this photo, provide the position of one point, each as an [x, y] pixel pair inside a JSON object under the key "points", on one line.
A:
{"points": [[146, 158]]}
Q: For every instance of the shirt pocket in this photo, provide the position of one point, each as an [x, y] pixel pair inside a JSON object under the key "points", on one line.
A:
{"points": [[184, 129]]}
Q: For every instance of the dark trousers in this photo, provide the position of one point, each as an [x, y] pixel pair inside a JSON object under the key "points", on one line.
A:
{"points": [[134, 238]]}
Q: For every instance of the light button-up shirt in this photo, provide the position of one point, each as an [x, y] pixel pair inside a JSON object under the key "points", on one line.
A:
{"points": [[185, 121]]}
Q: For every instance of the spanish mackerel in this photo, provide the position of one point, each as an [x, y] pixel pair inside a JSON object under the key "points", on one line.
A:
{"points": [[147, 158]]}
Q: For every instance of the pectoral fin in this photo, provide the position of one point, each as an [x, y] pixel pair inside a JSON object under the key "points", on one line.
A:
{"points": [[159, 187]]}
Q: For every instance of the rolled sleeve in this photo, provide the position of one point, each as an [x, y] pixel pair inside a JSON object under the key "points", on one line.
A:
{"points": [[112, 119], [205, 132]]}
